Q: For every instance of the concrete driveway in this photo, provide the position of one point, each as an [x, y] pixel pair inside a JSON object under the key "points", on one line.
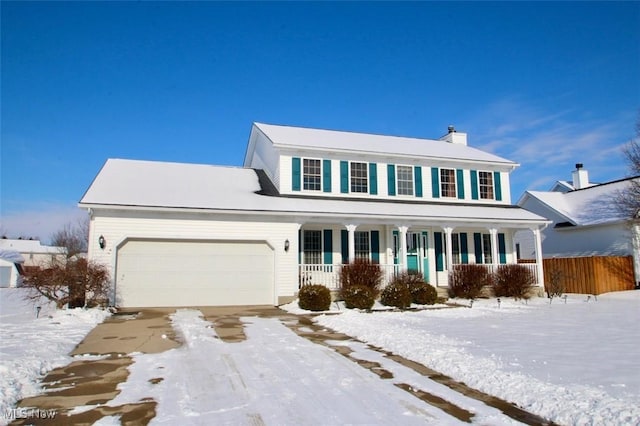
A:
{"points": [[245, 382]]}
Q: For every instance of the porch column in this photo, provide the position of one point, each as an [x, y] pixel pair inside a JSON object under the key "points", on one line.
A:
{"points": [[494, 246], [351, 229], [402, 256], [449, 247], [538, 243]]}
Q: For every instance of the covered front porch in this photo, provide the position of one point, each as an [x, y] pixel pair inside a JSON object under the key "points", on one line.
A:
{"points": [[430, 249]]}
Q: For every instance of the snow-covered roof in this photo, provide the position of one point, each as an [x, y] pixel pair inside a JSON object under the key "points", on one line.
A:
{"points": [[363, 143], [589, 206], [29, 246], [11, 256], [160, 185]]}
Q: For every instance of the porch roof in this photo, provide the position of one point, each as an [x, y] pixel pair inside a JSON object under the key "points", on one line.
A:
{"points": [[148, 185]]}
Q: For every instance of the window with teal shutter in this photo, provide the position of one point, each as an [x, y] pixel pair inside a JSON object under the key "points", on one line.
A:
{"points": [[295, 174], [498, 185], [502, 249], [437, 237], [326, 175], [373, 179], [299, 246], [344, 245], [477, 247], [391, 179], [474, 184], [327, 245], [344, 177], [464, 248], [418, 178], [460, 183], [435, 182], [375, 246]]}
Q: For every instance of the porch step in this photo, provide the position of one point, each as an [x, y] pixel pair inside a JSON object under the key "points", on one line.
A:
{"points": [[443, 292]]}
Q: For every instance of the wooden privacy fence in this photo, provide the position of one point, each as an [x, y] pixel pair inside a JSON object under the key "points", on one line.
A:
{"points": [[591, 275]]}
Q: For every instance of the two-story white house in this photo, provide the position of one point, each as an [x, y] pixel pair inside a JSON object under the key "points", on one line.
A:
{"points": [[305, 202]]}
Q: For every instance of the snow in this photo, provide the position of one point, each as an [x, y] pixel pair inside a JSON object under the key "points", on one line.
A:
{"points": [[573, 362], [32, 346], [11, 256]]}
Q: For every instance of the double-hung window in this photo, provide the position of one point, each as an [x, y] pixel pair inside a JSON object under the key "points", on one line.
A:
{"points": [[362, 246], [485, 184], [486, 248], [359, 178], [312, 175], [455, 249], [448, 183], [312, 247], [405, 180]]}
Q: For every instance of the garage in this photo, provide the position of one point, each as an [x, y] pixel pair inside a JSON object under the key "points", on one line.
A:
{"points": [[155, 273]]}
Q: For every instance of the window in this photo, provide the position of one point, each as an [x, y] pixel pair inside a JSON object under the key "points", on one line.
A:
{"points": [[359, 178], [405, 180], [361, 240], [486, 248], [312, 175], [448, 183], [486, 185], [455, 249], [312, 247]]}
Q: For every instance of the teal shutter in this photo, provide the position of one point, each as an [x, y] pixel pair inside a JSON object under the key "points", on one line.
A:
{"points": [[498, 185], [373, 179], [437, 236], [417, 175], [326, 175], [295, 174], [391, 179], [464, 248], [502, 249], [474, 184], [299, 246], [375, 246], [477, 246], [460, 183], [344, 177], [327, 244], [344, 245], [435, 182]]}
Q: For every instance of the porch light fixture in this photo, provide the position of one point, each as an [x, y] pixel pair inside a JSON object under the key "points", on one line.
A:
{"points": [[286, 245], [102, 242]]}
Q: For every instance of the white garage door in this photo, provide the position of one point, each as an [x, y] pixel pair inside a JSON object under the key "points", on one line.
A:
{"points": [[194, 273]]}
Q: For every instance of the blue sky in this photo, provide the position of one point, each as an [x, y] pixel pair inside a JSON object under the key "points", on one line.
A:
{"points": [[544, 84]]}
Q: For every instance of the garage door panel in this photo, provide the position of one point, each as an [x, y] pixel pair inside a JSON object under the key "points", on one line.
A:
{"points": [[194, 273]]}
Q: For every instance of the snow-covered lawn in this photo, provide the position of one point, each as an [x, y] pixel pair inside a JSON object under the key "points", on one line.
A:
{"points": [[30, 347], [574, 362]]}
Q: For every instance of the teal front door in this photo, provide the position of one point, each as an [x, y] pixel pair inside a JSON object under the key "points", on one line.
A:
{"points": [[413, 251]]}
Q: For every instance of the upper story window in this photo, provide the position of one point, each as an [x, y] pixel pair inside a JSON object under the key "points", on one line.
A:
{"points": [[448, 183], [359, 178], [312, 175], [405, 180], [485, 183]]}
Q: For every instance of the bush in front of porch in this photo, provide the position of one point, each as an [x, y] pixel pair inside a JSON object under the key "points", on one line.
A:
{"points": [[513, 281], [314, 297], [360, 283], [468, 280]]}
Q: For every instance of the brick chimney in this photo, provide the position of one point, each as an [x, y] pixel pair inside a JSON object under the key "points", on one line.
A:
{"points": [[580, 177]]}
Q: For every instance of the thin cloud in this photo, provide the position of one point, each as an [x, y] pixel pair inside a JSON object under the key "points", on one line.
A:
{"points": [[40, 222]]}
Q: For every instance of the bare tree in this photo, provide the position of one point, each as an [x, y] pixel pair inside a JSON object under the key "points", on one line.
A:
{"points": [[628, 200], [73, 236]]}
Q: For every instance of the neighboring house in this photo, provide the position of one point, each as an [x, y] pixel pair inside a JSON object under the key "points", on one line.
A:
{"points": [[305, 202], [33, 252], [10, 268], [585, 220]]}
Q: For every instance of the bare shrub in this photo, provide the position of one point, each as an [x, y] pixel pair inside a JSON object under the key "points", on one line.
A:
{"points": [[362, 272], [555, 283], [74, 237], [396, 294], [467, 281], [513, 281], [74, 283]]}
